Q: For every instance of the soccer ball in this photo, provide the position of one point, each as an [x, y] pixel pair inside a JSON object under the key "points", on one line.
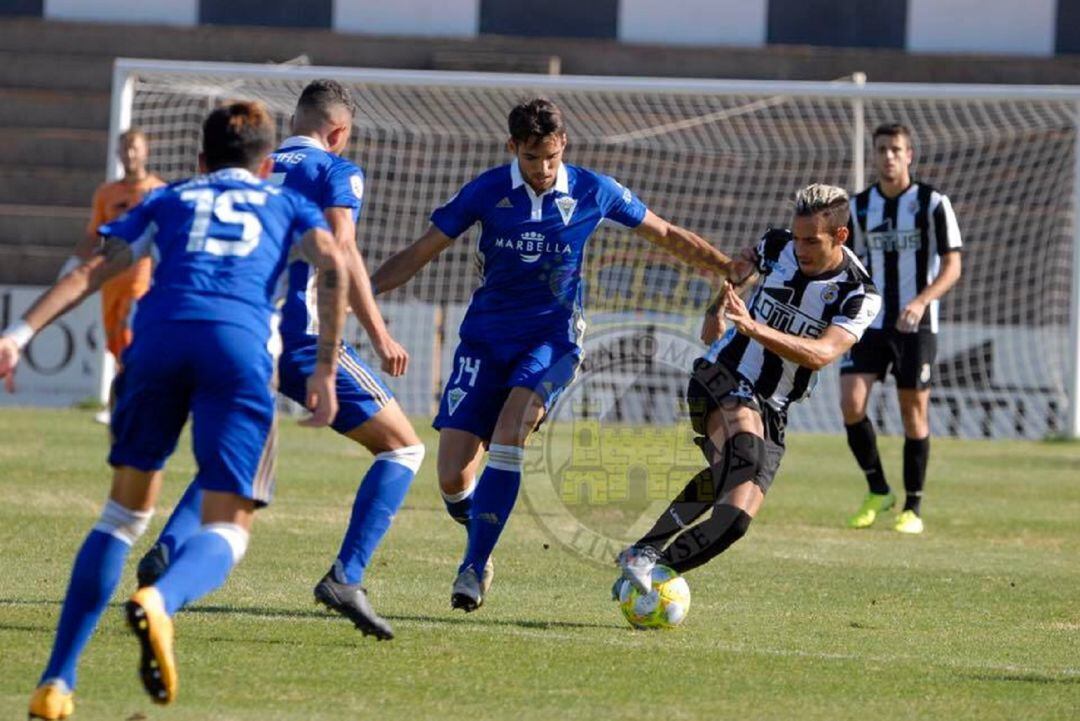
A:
{"points": [[665, 606]]}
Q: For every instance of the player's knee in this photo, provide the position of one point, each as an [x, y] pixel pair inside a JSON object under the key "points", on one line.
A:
{"points": [[412, 457], [743, 460], [123, 523], [852, 412], [235, 535]]}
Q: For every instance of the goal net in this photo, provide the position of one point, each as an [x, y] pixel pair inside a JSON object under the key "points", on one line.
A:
{"points": [[724, 159]]}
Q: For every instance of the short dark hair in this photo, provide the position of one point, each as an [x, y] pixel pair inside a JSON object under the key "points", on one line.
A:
{"points": [[828, 200], [536, 118], [322, 95], [892, 130], [237, 135]]}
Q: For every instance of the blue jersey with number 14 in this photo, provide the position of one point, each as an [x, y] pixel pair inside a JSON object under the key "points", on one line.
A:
{"points": [[220, 243], [329, 181]]}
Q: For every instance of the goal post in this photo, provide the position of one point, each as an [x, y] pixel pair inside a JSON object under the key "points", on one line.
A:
{"points": [[723, 158]]}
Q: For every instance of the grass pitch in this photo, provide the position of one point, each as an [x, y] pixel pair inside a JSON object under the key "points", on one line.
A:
{"points": [[977, 619]]}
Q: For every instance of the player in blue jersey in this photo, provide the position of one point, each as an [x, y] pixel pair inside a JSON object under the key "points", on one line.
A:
{"points": [[521, 337], [309, 162], [204, 345]]}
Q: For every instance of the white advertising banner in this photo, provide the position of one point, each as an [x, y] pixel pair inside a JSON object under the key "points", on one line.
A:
{"points": [[62, 365]]}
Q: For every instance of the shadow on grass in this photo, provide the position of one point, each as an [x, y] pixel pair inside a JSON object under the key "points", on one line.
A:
{"points": [[257, 612], [1036, 678]]}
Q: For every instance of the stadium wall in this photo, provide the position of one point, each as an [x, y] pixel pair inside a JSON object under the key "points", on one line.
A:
{"points": [[1035, 27]]}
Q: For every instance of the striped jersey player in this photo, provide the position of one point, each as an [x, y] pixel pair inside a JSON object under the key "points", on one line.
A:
{"points": [[813, 301], [906, 233]]}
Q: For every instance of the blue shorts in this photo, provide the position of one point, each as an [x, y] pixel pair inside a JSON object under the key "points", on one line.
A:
{"points": [[483, 375], [219, 373], [360, 392]]}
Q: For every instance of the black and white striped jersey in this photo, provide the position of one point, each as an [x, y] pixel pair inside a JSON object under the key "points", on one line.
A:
{"points": [[900, 241], [805, 306]]}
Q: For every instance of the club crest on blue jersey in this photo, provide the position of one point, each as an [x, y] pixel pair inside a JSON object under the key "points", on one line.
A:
{"points": [[566, 206]]}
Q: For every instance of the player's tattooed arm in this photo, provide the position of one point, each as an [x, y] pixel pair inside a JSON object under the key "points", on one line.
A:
{"points": [[685, 245], [319, 248], [114, 256], [403, 265]]}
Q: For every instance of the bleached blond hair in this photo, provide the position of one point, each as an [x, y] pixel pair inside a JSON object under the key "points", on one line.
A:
{"points": [[827, 199]]}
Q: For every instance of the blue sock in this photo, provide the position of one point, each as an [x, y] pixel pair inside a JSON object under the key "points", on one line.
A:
{"points": [[459, 505], [94, 578], [379, 497], [494, 498], [202, 565], [185, 521]]}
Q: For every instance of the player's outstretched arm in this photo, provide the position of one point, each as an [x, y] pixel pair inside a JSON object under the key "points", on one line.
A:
{"points": [[65, 294], [812, 353], [393, 356], [320, 249], [403, 265], [685, 245]]}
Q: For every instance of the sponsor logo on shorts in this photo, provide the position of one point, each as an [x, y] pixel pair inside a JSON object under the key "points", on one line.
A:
{"points": [[924, 373]]}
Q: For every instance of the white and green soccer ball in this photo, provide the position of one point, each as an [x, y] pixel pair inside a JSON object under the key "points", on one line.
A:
{"points": [[665, 606]]}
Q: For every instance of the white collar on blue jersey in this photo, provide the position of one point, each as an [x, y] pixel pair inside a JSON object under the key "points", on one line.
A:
{"points": [[235, 174], [562, 179], [304, 141]]}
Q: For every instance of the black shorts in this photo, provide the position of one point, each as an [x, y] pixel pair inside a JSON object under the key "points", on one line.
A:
{"points": [[908, 356], [714, 385]]}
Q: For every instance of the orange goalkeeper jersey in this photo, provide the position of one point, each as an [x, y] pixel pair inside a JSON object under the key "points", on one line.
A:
{"points": [[118, 295]]}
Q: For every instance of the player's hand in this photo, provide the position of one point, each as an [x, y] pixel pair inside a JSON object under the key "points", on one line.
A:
{"points": [[908, 322], [737, 312], [321, 397], [743, 266], [713, 326], [9, 358], [394, 357]]}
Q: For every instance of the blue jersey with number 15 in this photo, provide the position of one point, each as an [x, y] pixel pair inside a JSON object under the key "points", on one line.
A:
{"points": [[220, 243]]}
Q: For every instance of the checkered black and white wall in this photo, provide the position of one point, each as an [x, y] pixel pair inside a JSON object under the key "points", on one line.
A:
{"points": [[1022, 27]]}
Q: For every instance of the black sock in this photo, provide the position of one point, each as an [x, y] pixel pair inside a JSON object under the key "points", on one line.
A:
{"points": [[916, 457], [863, 443], [697, 498], [705, 541]]}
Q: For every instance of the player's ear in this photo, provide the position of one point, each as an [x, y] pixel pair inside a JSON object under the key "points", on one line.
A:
{"points": [[842, 234], [511, 146], [202, 163], [267, 166]]}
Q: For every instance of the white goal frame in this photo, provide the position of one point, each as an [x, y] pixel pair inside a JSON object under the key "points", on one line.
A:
{"points": [[126, 70]]}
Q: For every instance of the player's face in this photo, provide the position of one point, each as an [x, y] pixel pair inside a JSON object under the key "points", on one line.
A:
{"points": [[817, 247], [133, 154], [539, 159], [892, 156]]}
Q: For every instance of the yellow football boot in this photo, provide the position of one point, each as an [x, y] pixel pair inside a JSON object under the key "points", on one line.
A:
{"points": [[51, 700], [872, 505], [152, 626], [908, 522]]}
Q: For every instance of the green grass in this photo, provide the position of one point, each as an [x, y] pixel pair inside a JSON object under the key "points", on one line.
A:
{"points": [[977, 619]]}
